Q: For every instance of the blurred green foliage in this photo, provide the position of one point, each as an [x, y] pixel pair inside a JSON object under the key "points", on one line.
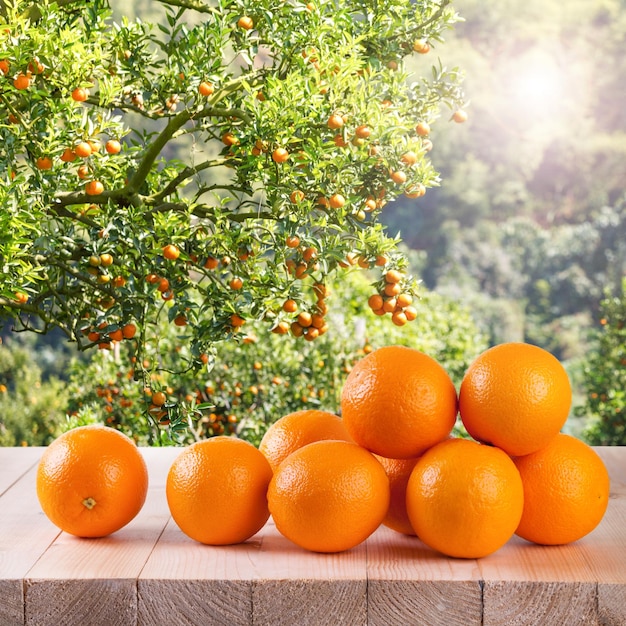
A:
{"points": [[604, 375], [32, 412]]}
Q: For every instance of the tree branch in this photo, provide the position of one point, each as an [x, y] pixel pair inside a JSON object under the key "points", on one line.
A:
{"points": [[173, 126], [188, 172], [193, 5], [433, 18]]}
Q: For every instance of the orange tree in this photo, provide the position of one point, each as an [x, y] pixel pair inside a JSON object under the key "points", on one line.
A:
{"points": [[252, 383], [212, 168]]}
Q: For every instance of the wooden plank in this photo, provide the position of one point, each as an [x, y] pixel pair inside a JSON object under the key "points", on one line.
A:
{"points": [[185, 582], [150, 573], [25, 532], [15, 462], [409, 581], [605, 549], [528, 584], [308, 588], [266, 580], [565, 583], [95, 580]]}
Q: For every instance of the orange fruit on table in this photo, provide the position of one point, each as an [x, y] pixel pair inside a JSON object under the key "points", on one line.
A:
{"points": [[216, 490], [464, 499], [566, 491], [398, 472], [328, 496], [92, 481], [298, 429], [515, 396], [398, 402]]}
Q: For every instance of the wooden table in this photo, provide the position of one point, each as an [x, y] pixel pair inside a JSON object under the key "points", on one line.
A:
{"points": [[150, 573]]}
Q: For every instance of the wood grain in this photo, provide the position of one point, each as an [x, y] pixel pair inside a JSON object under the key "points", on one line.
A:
{"points": [[25, 533], [604, 550], [150, 573], [15, 462], [407, 581], [523, 603], [184, 582], [296, 586], [95, 580]]}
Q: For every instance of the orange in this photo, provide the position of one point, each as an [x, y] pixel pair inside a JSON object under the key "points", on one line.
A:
{"points": [[280, 155], [464, 499], [205, 88], [566, 491], [91, 481], [83, 149], [94, 188], [171, 252], [298, 429], [22, 81], [335, 121], [245, 22], [398, 472], [80, 94], [397, 402], [216, 490], [328, 496], [113, 146], [515, 396]]}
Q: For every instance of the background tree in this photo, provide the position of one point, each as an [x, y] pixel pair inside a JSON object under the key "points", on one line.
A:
{"points": [[211, 168], [529, 225], [604, 377]]}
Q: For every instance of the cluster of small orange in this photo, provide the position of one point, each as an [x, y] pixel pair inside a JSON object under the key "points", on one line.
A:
{"points": [[330, 482], [99, 266], [393, 299], [83, 148]]}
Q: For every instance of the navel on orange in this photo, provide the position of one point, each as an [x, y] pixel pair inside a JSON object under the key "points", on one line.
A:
{"points": [[515, 396], [464, 499], [398, 402], [298, 429], [566, 491], [92, 481], [328, 496], [216, 490]]}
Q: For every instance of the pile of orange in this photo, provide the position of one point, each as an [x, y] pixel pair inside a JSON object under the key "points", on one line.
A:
{"points": [[330, 482]]}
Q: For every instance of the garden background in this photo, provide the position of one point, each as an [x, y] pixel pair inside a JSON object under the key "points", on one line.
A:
{"points": [[525, 240]]}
